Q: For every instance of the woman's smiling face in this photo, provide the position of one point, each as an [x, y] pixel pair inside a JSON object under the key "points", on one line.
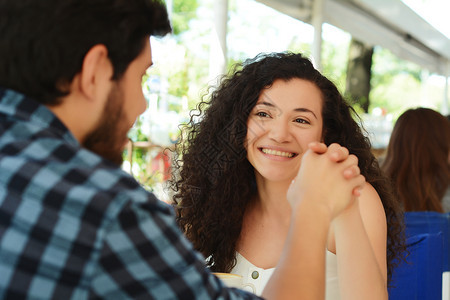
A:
{"points": [[286, 118]]}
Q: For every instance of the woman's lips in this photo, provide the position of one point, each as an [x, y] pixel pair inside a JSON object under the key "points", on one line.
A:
{"points": [[278, 152]]}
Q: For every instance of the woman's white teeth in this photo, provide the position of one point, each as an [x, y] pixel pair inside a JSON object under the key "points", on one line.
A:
{"points": [[277, 153]]}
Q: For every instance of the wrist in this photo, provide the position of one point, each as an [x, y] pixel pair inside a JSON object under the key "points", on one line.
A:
{"points": [[311, 208]]}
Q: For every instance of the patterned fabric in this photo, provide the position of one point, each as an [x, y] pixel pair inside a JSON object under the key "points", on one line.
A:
{"points": [[75, 226]]}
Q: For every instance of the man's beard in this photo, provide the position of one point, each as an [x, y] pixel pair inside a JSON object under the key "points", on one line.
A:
{"points": [[108, 139]]}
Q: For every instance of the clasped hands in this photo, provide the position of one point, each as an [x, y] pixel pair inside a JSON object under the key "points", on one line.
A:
{"points": [[328, 177]]}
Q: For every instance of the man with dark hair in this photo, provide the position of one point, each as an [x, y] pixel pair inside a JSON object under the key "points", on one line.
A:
{"points": [[72, 223]]}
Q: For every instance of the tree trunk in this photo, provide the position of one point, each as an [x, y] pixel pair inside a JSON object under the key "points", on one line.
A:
{"points": [[358, 74]]}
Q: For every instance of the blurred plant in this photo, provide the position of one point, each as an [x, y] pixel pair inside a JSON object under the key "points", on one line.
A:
{"points": [[149, 179], [182, 12], [395, 82]]}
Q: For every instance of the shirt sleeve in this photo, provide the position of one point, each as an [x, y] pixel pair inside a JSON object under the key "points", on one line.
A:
{"points": [[145, 256]]}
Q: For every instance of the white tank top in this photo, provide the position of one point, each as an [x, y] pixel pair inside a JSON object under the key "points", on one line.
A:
{"points": [[259, 277]]}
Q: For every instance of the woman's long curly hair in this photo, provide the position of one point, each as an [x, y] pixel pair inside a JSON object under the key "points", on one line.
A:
{"points": [[215, 181], [417, 159]]}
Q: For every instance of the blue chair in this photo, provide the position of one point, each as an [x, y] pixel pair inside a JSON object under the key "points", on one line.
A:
{"points": [[426, 275]]}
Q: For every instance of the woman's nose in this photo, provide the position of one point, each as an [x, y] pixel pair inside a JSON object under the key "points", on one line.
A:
{"points": [[279, 132]]}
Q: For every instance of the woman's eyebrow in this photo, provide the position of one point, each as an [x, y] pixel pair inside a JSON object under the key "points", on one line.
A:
{"points": [[265, 103], [302, 109]]}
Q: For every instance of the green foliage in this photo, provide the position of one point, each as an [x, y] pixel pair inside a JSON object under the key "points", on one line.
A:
{"points": [[395, 82], [333, 60], [397, 94], [298, 46], [179, 82], [141, 161], [232, 64], [182, 12], [135, 134], [386, 66]]}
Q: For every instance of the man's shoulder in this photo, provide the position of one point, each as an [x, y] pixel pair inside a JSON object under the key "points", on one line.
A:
{"points": [[41, 160], [61, 207], [49, 169]]}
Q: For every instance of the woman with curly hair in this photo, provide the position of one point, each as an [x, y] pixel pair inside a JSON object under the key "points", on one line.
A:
{"points": [[418, 160], [237, 163]]}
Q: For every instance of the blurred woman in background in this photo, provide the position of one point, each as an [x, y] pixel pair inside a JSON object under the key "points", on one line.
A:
{"points": [[418, 160]]}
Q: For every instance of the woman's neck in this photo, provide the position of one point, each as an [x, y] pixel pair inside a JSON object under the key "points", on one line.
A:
{"points": [[271, 198], [267, 218]]}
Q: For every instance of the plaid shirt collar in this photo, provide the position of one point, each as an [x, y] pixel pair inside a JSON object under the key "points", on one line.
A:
{"points": [[21, 107]]}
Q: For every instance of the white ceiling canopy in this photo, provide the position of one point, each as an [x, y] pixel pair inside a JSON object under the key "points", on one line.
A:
{"points": [[388, 23]]}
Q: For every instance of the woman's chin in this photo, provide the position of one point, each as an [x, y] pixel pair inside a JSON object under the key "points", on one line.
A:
{"points": [[277, 177]]}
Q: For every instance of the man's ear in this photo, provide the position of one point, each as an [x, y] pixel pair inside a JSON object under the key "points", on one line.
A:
{"points": [[95, 71]]}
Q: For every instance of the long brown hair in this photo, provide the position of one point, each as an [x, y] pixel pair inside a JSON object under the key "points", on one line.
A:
{"points": [[417, 159], [216, 182]]}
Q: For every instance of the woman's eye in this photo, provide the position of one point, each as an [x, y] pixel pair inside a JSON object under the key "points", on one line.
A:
{"points": [[301, 121], [262, 114]]}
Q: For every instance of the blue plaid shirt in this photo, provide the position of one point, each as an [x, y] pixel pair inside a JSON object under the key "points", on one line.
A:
{"points": [[75, 226]]}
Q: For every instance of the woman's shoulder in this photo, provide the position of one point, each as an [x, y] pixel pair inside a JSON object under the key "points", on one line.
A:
{"points": [[370, 200], [372, 211]]}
